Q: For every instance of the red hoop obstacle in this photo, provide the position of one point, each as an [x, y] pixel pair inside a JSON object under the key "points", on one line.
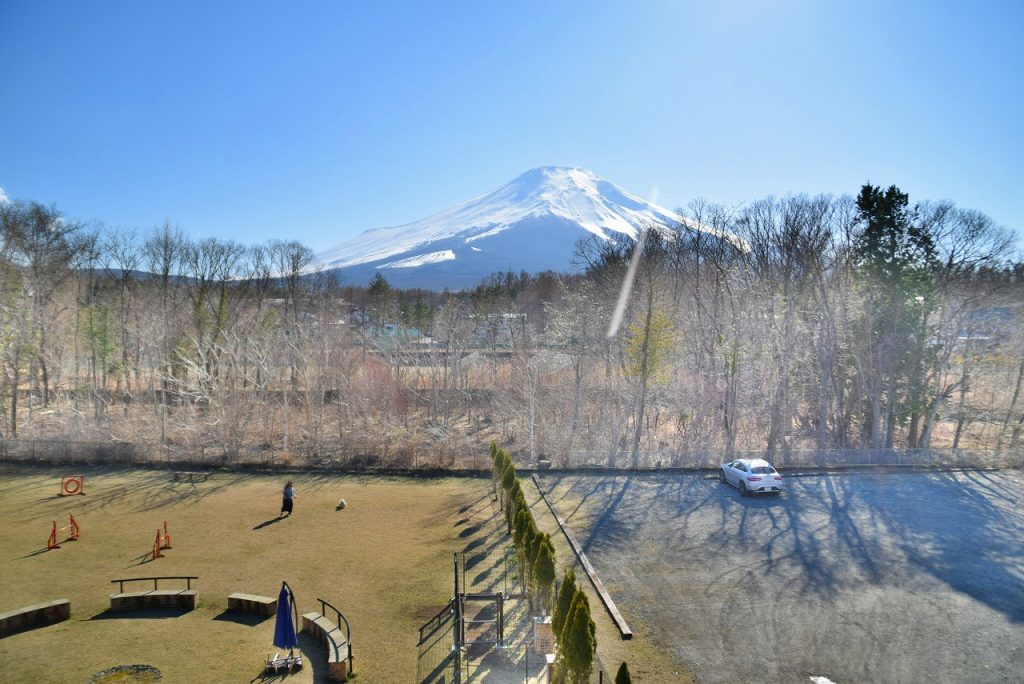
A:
{"points": [[72, 484]]}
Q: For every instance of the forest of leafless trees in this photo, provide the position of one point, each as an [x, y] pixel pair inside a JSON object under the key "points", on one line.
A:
{"points": [[784, 327]]}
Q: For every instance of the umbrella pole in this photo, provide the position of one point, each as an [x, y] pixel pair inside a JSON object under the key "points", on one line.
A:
{"points": [[295, 611], [288, 615]]}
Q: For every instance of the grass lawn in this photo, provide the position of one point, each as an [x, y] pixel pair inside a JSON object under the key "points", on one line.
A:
{"points": [[385, 561]]}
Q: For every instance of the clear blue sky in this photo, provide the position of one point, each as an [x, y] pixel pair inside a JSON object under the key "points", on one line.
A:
{"points": [[316, 121]]}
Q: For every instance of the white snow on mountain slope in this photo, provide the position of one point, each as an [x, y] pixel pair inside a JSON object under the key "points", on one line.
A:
{"points": [[571, 195], [421, 260]]}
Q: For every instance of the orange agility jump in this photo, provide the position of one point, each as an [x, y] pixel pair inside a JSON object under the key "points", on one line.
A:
{"points": [[163, 541], [72, 484], [73, 535]]}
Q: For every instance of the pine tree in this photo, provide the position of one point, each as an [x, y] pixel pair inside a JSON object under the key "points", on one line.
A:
{"points": [[561, 612], [579, 640], [508, 477], [520, 528], [515, 502], [497, 465], [896, 259], [381, 298], [622, 676], [544, 574]]}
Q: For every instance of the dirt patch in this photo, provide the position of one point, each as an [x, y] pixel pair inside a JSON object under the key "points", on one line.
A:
{"points": [[127, 674]]}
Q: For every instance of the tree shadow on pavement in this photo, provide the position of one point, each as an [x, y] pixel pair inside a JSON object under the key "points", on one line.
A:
{"points": [[966, 530]]}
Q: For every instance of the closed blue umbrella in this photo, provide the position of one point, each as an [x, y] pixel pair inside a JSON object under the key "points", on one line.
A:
{"points": [[284, 627]]}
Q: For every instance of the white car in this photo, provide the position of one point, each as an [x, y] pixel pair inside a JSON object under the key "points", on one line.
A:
{"points": [[751, 475]]}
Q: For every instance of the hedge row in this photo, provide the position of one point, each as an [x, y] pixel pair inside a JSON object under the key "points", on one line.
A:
{"points": [[535, 552], [573, 627]]}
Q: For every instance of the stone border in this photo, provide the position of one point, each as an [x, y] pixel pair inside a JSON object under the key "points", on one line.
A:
{"points": [[323, 629], [609, 604], [37, 615], [133, 671], [251, 603], [162, 599]]}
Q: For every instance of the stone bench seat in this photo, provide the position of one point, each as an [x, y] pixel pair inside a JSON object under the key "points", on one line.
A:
{"points": [[251, 603], [333, 639], [36, 615], [175, 599]]}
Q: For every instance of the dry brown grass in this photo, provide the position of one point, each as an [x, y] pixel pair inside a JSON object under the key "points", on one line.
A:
{"points": [[647, 663], [384, 561]]}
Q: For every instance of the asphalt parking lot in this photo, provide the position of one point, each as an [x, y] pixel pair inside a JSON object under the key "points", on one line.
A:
{"points": [[869, 577]]}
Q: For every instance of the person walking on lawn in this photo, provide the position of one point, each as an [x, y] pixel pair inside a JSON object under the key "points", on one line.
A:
{"points": [[286, 499]]}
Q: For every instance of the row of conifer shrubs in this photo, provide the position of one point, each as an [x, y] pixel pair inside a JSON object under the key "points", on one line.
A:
{"points": [[534, 550], [573, 628]]}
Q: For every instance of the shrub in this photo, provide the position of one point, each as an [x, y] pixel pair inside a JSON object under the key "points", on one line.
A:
{"points": [[522, 523], [508, 477], [579, 640], [544, 574], [565, 593]]}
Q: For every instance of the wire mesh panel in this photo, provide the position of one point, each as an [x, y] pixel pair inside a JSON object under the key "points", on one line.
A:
{"points": [[488, 571], [480, 620], [511, 665], [437, 660]]}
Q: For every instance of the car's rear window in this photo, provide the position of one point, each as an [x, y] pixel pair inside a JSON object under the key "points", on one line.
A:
{"points": [[762, 470]]}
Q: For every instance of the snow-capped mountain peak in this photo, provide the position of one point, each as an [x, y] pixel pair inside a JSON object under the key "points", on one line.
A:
{"points": [[531, 223]]}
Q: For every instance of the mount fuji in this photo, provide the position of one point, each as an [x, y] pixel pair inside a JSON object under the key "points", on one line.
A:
{"points": [[530, 224]]}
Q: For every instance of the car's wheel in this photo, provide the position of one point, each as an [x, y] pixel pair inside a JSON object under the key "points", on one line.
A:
{"points": [[721, 476], [743, 488]]}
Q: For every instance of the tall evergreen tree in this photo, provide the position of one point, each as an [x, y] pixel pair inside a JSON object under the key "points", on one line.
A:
{"points": [[563, 603], [508, 478], [544, 574], [578, 644], [896, 258]]}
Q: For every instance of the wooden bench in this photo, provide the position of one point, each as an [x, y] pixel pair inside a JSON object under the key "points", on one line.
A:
{"points": [[190, 476], [33, 616], [328, 634], [250, 603], [167, 599]]}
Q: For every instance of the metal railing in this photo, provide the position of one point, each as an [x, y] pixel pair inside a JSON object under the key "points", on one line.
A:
{"points": [[156, 580], [339, 618]]}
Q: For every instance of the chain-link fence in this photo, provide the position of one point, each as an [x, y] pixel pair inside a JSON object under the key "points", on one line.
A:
{"points": [[935, 457], [436, 661], [67, 452]]}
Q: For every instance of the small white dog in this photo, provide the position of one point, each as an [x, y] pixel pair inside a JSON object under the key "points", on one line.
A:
{"points": [[341, 504]]}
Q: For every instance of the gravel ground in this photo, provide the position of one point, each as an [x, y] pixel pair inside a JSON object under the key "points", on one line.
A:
{"points": [[901, 577]]}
